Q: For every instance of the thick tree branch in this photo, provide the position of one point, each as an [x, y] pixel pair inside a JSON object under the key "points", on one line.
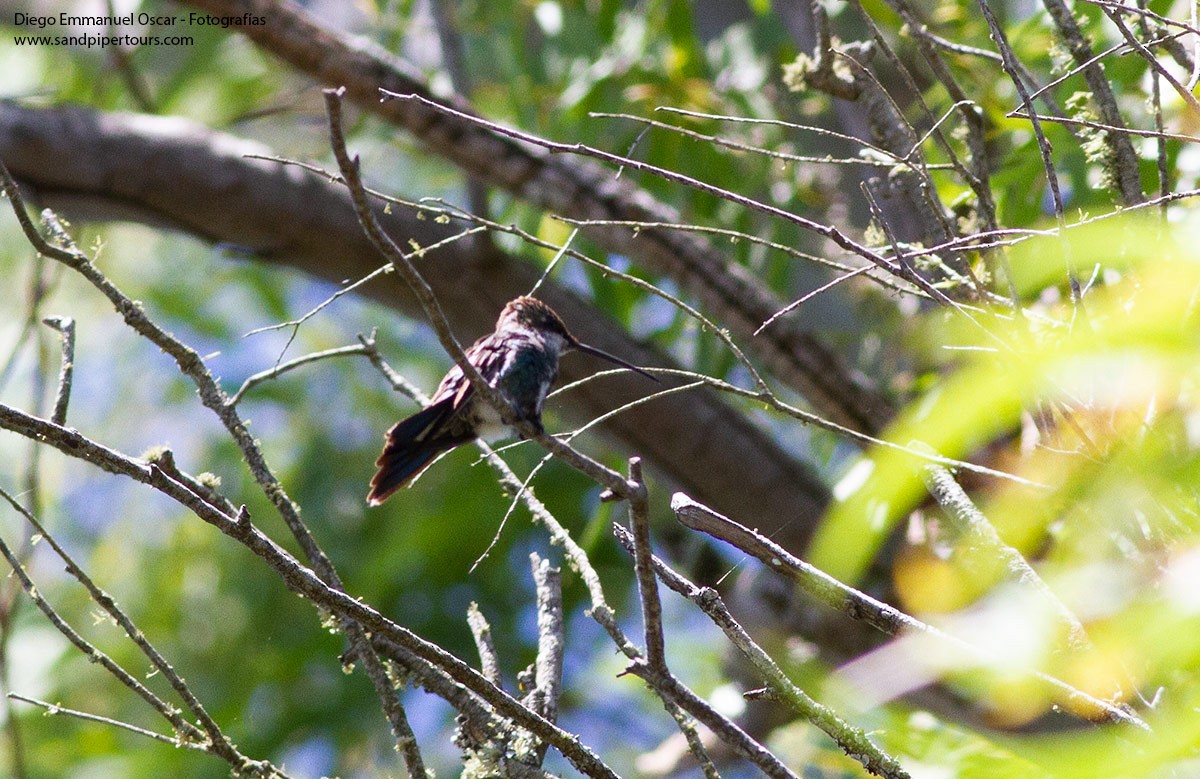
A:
{"points": [[571, 187], [176, 173], [1124, 158]]}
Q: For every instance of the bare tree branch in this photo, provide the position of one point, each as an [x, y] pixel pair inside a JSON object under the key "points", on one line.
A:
{"points": [[66, 328], [214, 741], [1125, 160], [571, 188], [852, 740], [984, 542], [873, 612], [212, 396], [92, 163], [548, 673], [481, 631], [300, 579]]}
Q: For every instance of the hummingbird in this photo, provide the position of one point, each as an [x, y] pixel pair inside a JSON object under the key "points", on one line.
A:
{"points": [[520, 359]]}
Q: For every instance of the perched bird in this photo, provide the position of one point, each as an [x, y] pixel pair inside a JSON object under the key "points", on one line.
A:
{"points": [[520, 359]]}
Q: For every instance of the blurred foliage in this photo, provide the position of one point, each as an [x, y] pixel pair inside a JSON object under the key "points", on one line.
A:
{"points": [[1106, 501], [1107, 508]]}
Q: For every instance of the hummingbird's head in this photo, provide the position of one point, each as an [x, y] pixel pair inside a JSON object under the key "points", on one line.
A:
{"points": [[526, 313]]}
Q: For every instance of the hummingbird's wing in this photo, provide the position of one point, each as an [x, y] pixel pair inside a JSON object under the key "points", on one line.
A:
{"points": [[413, 443], [488, 356], [516, 366]]}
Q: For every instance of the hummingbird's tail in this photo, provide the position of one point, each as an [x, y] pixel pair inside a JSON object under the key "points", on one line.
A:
{"points": [[412, 444]]}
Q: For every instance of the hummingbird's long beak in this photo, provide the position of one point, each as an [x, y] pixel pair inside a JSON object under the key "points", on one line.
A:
{"points": [[611, 358]]}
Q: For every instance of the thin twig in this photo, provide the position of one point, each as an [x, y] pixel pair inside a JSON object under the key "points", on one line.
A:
{"points": [[852, 740], [185, 730], [282, 368], [548, 667], [790, 307], [219, 743], [295, 323], [1009, 62], [1108, 128], [860, 606], [737, 235], [481, 632], [213, 397], [1160, 146], [827, 231], [53, 709], [1011, 68], [745, 147], [691, 735], [548, 584], [812, 419], [666, 685], [980, 535], [477, 715], [302, 580], [65, 326], [647, 584], [822, 131]]}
